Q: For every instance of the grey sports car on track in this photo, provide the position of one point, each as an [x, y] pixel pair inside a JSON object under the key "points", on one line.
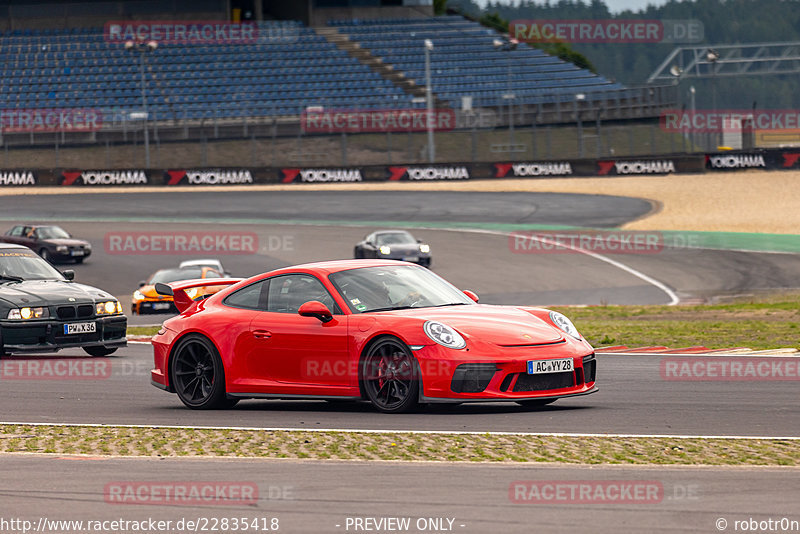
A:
{"points": [[394, 245]]}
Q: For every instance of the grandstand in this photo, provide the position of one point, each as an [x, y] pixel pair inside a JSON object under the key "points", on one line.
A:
{"points": [[261, 87], [467, 64]]}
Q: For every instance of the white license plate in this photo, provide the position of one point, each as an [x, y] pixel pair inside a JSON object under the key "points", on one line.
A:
{"points": [[538, 367], [77, 253], [411, 258], [80, 328], [161, 305]]}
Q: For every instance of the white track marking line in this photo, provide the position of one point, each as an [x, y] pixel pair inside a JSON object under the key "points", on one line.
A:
{"points": [[619, 265], [436, 432]]}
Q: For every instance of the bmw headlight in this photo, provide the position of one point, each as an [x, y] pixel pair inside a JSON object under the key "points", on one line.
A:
{"points": [[424, 248], [564, 324], [108, 307], [385, 250], [61, 249], [138, 295], [23, 314], [444, 335]]}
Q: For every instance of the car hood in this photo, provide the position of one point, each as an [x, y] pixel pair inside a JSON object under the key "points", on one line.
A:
{"points": [[67, 242], [500, 325], [48, 292]]}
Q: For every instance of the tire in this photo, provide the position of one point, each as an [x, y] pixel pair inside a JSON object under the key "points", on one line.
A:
{"points": [[357, 253], [79, 260], [45, 255], [99, 351], [390, 376], [198, 375], [536, 403]]}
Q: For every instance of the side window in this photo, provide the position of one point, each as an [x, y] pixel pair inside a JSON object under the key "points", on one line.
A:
{"points": [[27, 231], [16, 231], [252, 297], [287, 293]]}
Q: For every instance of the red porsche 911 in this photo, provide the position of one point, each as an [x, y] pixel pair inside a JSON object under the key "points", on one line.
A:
{"points": [[391, 332]]}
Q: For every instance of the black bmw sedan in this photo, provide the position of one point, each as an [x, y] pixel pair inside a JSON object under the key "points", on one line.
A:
{"points": [[43, 310]]}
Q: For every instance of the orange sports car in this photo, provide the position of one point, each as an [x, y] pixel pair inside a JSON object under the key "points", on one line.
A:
{"points": [[146, 300]]}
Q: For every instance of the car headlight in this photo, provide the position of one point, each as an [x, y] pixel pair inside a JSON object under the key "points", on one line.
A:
{"points": [[23, 314], [424, 248], [385, 250], [444, 335], [61, 249], [564, 324], [108, 307], [138, 295]]}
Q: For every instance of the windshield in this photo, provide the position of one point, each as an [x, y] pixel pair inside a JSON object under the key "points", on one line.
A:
{"points": [[51, 232], [395, 287], [395, 238], [16, 264], [166, 276]]}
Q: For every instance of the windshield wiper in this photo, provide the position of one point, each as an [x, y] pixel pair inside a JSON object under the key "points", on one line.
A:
{"points": [[451, 304], [11, 278], [392, 308]]}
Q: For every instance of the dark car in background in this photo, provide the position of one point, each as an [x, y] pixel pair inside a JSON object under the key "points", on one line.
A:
{"points": [[51, 242], [43, 310], [394, 245]]}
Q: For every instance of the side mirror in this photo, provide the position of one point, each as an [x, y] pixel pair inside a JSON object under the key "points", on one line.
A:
{"points": [[471, 295], [69, 274], [142, 283], [314, 308], [164, 289]]}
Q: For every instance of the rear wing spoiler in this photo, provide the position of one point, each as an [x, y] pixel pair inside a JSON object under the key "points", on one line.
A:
{"points": [[177, 290]]}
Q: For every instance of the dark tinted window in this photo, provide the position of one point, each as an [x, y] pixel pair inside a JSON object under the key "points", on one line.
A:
{"points": [[252, 297]]}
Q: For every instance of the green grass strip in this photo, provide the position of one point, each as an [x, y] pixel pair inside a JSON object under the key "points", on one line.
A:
{"points": [[398, 446]]}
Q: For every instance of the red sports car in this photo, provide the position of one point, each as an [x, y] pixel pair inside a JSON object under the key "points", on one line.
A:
{"points": [[387, 331]]}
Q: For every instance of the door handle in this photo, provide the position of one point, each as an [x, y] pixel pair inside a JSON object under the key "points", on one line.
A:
{"points": [[262, 334]]}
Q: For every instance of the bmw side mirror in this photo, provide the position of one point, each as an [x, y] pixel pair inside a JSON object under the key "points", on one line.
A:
{"points": [[314, 308], [69, 274]]}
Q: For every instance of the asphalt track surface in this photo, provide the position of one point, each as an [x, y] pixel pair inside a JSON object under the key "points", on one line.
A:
{"points": [[315, 497], [633, 399], [480, 258], [531, 208]]}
